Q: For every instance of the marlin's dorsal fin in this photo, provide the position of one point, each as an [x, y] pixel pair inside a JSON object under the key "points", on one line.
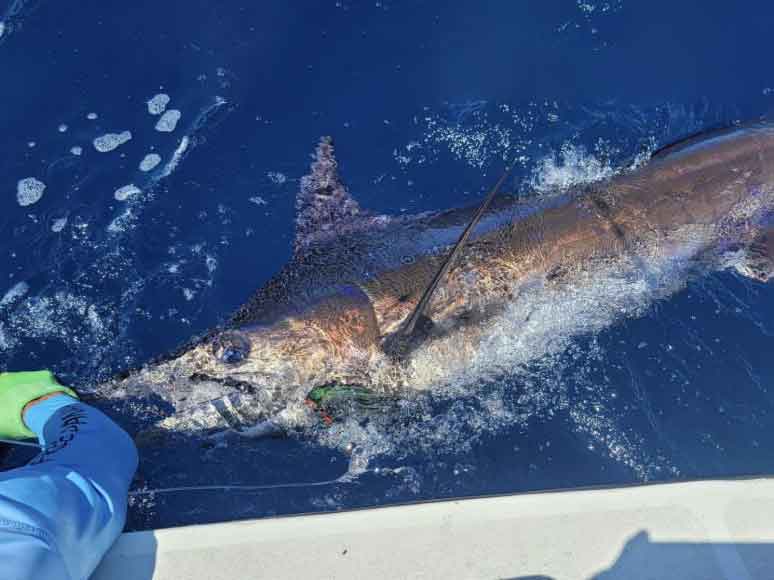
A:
{"points": [[401, 340], [323, 200]]}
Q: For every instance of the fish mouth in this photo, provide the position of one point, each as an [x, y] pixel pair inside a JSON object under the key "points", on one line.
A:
{"points": [[330, 401], [247, 410]]}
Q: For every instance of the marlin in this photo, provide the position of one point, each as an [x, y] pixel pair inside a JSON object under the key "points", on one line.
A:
{"points": [[373, 308]]}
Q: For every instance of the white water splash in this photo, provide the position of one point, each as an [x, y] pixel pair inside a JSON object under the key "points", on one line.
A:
{"points": [[569, 167]]}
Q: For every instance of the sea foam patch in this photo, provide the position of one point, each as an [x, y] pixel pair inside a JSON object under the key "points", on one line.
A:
{"points": [[29, 191], [158, 104], [168, 121], [122, 222], [176, 156], [150, 161], [14, 293], [110, 141], [58, 225], [125, 192]]}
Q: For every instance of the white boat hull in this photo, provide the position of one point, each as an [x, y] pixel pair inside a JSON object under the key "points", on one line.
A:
{"points": [[702, 530]]}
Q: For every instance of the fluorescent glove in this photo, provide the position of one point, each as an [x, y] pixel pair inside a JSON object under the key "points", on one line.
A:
{"points": [[18, 389]]}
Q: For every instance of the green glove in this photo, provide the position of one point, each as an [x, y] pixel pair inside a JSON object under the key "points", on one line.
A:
{"points": [[18, 389]]}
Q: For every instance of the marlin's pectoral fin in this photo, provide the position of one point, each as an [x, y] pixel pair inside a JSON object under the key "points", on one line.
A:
{"points": [[406, 336], [758, 261]]}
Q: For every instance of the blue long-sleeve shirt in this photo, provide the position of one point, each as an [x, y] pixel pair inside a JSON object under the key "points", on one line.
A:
{"points": [[60, 514]]}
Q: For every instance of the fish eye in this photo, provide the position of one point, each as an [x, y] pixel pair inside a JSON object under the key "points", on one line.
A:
{"points": [[230, 348]]}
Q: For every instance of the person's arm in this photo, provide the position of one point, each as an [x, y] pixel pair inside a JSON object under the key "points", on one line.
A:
{"points": [[60, 514]]}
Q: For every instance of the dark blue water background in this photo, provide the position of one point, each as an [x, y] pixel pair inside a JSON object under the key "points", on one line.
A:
{"points": [[424, 100]]}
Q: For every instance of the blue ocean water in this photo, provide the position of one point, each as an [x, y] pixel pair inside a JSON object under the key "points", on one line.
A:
{"points": [[426, 101]]}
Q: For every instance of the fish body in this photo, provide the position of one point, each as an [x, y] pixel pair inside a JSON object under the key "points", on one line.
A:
{"points": [[529, 274]]}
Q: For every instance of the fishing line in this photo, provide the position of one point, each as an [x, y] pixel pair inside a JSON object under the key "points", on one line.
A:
{"points": [[345, 478], [341, 479]]}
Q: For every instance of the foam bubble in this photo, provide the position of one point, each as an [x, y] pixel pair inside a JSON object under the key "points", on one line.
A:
{"points": [[168, 121], [76, 150], [2, 28], [58, 225], [14, 294], [61, 316], [29, 191], [62, 128], [91, 116], [5, 341], [276, 177], [158, 104], [127, 191], [110, 141], [212, 263], [122, 222], [150, 161]]}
